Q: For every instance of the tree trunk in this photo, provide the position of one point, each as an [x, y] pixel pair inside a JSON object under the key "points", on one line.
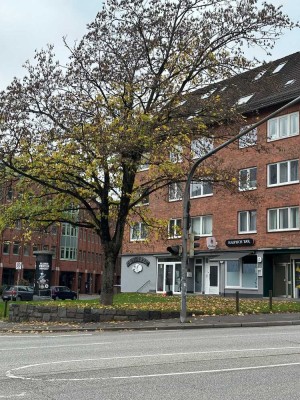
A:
{"points": [[107, 287]]}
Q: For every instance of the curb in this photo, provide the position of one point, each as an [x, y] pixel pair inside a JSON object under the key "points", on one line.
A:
{"points": [[179, 326]]}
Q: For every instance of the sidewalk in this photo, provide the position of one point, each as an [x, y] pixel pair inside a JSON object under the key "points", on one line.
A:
{"points": [[198, 322]]}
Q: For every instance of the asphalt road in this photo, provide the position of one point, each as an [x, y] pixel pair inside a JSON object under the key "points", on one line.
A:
{"points": [[232, 363]]}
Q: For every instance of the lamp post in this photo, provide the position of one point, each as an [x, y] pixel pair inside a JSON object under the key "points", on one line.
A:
{"points": [[186, 200]]}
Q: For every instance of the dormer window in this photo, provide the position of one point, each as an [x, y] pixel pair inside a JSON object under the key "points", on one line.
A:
{"points": [[259, 75], [244, 100], [279, 67], [290, 82]]}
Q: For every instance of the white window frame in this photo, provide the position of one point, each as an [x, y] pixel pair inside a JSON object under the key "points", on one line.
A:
{"points": [[174, 228], [201, 187], [201, 146], [250, 216], [249, 139], [275, 125], [240, 273], [175, 188], [138, 232], [248, 185], [176, 154], [278, 213], [201, 224], [145, 163], [278, 165]]}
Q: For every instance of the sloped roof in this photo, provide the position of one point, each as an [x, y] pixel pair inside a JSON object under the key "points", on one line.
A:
{"points": [[272, 83]]}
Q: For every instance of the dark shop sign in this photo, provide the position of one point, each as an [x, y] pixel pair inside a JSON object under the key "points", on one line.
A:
{"points": [[239, 242]]}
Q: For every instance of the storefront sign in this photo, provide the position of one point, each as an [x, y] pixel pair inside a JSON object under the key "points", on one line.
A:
{"points": [[137, 262], [239, 242], [138, 259]]}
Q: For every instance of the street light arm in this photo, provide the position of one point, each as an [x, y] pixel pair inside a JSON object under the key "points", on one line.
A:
{"points": [[186, 200]]}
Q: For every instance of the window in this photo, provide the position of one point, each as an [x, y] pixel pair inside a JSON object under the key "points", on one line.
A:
{"points": [[200, 189], [249, 139], [279, 67], [283, 173], [259, 75], [6, 248], [290, 82], [200, 147], [16, 248], [244, 100], [283, 219], [26, 249], [144, 162], [242, 273], [175, 191], [138, 231], [202, 225], [174, 228], [53, 249], [53, 229], [283, 126], [247, 221], [176, 154], [69, 242], [248, 179]]}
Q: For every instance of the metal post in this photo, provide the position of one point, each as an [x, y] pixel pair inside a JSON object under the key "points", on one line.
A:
{"points": [[237, 301], [186, 200], [270, 300]]}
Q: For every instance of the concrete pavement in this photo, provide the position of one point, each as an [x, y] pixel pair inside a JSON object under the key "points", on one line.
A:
{"points": [[197, 322]]}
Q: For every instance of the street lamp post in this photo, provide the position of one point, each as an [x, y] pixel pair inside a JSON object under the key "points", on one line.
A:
{"points": [[186, 201]]}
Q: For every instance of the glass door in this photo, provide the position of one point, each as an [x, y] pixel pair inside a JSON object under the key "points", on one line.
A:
{"points": [[214, 279], [198, 278], [168, 277]]}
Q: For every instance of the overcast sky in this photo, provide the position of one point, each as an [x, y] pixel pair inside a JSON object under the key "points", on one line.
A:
{"points": [[26, 25]]}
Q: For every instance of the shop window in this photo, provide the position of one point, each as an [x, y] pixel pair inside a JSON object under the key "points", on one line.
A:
{"points": [[242, 273]]}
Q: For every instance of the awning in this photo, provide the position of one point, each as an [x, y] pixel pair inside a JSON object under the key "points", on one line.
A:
{"points": [[231, 256]]}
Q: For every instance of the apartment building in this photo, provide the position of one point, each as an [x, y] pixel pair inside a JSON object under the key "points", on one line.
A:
{"points": [[249, 236], [77, 258]]}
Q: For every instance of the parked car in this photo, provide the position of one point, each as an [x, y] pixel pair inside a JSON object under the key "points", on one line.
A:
{"points": [[62, 293], [17, 292]]}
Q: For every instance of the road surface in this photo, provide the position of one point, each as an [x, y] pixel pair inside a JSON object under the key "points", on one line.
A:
{"points": [[232, 363]]}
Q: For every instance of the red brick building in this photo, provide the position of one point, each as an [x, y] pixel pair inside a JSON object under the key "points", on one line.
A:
{"points": [[77, 257], [249, 237]]}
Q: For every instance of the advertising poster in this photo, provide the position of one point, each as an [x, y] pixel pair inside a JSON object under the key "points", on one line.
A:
{"points": [[43, 273]]}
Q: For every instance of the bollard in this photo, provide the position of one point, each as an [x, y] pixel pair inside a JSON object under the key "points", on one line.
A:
{"points": [[270, 300], [5, 308], [237, 301]]}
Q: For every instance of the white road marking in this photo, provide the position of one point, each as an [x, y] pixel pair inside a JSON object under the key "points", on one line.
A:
{"points": [[55, 346], [11, 396], [11, 373]]}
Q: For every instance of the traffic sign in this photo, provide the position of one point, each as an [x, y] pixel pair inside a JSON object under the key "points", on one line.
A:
{"points": [[19, 265]]}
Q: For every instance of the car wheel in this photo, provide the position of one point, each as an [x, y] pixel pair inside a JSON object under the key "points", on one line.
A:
{"points": [[18, 298], [74, 297]]}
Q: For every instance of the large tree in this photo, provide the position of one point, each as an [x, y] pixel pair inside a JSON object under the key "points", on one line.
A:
{"points": [[73, 136]]}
